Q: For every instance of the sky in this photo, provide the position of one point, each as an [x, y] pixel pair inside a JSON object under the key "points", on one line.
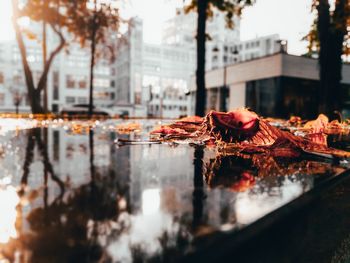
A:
{"points": [[291, 19]]}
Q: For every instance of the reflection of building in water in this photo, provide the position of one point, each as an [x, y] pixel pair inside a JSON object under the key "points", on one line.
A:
{"points": [[70, 156], [254, 204], [161, 167]]}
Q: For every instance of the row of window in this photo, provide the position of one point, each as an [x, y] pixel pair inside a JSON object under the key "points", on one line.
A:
{"points": [[167, 107], [237, 48], [170, 96], [78, 100], [81, 82], [84, 100], [74, 81]]}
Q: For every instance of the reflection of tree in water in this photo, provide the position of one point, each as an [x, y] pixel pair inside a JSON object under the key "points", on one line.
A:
{"points": [[34, 137], [70, 228], [73, 224]]}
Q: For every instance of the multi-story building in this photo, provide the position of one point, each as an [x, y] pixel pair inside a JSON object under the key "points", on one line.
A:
{"points": [[277, 85], [68, 78], [220, 54], [152, 79], [224, 46], [145, 79], [128, 71]]}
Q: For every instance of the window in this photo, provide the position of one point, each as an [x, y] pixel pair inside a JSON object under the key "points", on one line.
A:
{"points": [[2, 79], [82, 100], [101, 83], [82, 82], [76, 81], [54, 107], [2, 99], [55, 80], [70, 100], [70, 82], [17, 80]]}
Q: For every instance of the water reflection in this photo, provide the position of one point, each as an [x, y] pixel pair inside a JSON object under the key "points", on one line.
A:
{"points": [[8, 203], [98, 202], [35, 138]]}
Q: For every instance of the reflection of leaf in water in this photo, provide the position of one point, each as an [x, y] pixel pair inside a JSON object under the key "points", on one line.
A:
{"points": [[232, 171]]}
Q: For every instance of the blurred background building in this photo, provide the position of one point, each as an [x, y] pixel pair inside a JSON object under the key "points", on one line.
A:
{"points": [[144, 80], [278, 85]]}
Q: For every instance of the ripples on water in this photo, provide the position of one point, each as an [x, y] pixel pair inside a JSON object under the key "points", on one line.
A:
{"points": [[70, 194]]}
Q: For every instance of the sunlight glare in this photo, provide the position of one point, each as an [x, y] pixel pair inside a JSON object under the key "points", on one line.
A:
{"points": [[8, 202], [150, 201], [6, 28]]}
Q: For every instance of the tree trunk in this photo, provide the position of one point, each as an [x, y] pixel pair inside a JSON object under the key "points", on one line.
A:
{"points": [[91, 90], [35, 102], [27, 72], [34, 93], [44, 49], [331, 32], [200, 73], [92, 63]]}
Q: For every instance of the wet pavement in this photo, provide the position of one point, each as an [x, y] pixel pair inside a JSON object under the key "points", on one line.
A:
{"points": [[73, 194]]}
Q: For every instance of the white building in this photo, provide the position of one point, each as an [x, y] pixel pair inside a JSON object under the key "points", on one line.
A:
{"points": [[146, 79], [224, 47], [68, 79], [152, 79]]}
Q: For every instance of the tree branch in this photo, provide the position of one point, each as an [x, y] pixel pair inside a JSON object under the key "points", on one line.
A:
{"points": [[53, 54]]}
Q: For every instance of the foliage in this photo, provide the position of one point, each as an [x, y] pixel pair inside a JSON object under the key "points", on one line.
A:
{"points": [[339, 22], [39, 11], [83, 20], [96, 23]]}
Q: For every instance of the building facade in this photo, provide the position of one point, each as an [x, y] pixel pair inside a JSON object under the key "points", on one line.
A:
{"points": [[68, 78], [277, 85], [145, 79], [155, 78], [152, 79]]}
